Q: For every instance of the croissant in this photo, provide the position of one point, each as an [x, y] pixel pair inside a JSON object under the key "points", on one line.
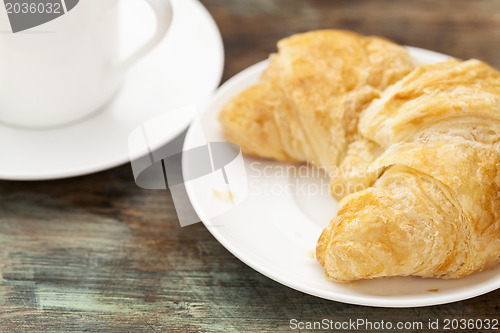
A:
{"points": [[413, 153], [432, 205]]}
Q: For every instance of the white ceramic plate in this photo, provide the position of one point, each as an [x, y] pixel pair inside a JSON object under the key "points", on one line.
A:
{"points": [[275, 228], [184, 69]]}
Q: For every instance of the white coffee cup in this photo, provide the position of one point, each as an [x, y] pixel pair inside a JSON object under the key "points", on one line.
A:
{"points": [[68, 68]]}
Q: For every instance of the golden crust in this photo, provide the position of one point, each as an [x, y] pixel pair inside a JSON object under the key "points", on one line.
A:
{"points": [[248, 115], [354, 174]]}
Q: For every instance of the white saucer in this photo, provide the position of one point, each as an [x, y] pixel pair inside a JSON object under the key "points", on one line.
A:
{"points": [[184, 69], [276, 224]]}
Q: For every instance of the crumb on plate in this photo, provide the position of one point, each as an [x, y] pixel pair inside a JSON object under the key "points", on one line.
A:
{"points": [[225, 195]]}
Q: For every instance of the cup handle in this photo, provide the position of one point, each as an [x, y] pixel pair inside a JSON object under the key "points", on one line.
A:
{"points": [[163, 13]]}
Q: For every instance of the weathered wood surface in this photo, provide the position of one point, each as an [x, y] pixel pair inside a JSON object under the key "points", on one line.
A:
{"points": [[98, 254]]}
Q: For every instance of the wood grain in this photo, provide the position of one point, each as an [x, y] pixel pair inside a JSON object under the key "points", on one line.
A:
{"points": [[98, 254]]}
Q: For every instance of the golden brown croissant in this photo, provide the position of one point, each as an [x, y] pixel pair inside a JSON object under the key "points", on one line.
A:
{"points": [[306, 105], [434, 207], [420, 163]]}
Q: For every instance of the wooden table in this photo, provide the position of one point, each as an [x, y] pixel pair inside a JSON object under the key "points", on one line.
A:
{"points": [[98, 254]]}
